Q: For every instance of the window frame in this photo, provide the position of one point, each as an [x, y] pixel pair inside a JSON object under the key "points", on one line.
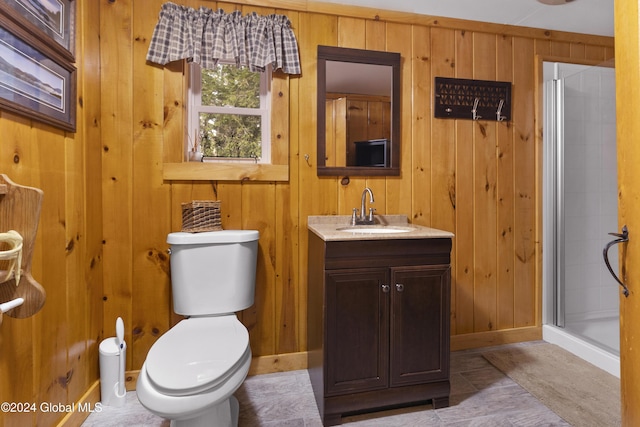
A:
{"points": [[177, 168], [195, 108]]}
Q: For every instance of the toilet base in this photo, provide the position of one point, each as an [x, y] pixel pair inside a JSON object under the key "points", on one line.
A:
{"points": [[224, 414]]}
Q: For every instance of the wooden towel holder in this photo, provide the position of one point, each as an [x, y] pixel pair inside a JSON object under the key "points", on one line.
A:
{"points": [[20, 211]]}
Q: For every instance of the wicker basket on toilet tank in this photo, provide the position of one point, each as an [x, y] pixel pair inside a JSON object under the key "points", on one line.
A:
{"points": [[201, 215]]}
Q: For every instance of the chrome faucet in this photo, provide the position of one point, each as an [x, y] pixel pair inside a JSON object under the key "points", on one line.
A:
{"points": [[363, 219]]}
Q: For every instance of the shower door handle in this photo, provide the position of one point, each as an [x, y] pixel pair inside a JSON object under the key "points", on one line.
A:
{"points": [[621, 238]]}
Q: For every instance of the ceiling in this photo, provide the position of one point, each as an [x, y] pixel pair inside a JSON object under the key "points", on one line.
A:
{"points": [[366, 79], [578, 16]]}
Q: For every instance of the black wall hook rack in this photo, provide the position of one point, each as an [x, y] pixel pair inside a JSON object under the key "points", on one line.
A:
{"points": [[472, 99]]}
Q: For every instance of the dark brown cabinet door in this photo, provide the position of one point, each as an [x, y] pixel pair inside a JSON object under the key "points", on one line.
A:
{"points": [[378, 324], [357, 330], [419, 324]]}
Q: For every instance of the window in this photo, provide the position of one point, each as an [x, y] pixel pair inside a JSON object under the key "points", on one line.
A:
{"points": [[229, 114], [178, 35], [259, 117]]}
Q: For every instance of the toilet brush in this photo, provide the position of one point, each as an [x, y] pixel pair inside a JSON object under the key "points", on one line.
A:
{"points": [[122, 346]]}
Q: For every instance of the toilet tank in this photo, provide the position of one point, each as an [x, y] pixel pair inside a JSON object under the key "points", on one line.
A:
{"points": [[213, 272]]}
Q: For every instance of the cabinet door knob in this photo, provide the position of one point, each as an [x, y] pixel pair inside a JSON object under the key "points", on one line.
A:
{"points": [[385, 288], [399, 287]]}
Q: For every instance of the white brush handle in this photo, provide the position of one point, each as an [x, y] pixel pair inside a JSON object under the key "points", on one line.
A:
{"points": [[11, 304], [121, 357], [122, 346], [120, 331]]}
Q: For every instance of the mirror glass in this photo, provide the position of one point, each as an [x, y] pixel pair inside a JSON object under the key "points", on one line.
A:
{"points": [[358, 112]]}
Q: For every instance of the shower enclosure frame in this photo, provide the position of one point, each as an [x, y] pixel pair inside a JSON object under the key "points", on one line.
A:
{"points": [[553, 232]]}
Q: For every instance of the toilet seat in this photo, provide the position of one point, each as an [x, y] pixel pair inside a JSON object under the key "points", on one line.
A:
{"points": [[197, 354]]}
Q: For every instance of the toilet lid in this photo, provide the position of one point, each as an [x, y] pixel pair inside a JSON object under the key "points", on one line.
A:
{"points": [[197, 354]]}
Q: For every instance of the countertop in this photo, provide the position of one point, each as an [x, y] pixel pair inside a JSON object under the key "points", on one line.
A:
{"points": [[326, 227]]}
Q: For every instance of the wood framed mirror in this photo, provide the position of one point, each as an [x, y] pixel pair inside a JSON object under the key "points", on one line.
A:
{"points": [[358, 112]]}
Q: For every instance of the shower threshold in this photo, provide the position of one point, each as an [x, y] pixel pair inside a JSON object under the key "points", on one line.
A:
{"points": [[585, 350]]}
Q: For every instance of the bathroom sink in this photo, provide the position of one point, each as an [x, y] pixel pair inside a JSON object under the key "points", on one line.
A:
{"points": [[389, 227], [382, 229]]}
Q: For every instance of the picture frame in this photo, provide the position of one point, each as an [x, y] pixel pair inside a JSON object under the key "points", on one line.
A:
{"points": [[35, 81], [51, 21]]}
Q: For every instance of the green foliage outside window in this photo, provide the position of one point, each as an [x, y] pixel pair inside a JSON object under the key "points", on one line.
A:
{"points": [[230, 135]]}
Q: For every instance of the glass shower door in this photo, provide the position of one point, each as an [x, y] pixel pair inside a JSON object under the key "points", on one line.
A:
{"points": [[587, 298]]}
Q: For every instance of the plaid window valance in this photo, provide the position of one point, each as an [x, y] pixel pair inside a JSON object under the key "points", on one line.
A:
{"points": [[205, 36]]}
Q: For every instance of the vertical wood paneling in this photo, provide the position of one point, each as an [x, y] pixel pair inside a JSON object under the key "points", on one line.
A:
{"points": [[53, 373], [443, 201], [542, 47], [117, 162], [27, 170], [484, 191], [78, 296], [351, 32], [107, 211], [284, 257], [375, 35], [53, 355], [18, 379], [150, 279], [316, 196], [561, 49], [609, 54], [577, 50], [465, 203], [88, 121], [259, 213], [173, 108], [287, 292], [421, 84], [594, 53], [293, 225], [442, 157], [398, 190], [524, 182], [505, 199]]}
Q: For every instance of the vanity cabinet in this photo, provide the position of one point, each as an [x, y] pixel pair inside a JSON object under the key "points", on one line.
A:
{"points": [[378, 319]]}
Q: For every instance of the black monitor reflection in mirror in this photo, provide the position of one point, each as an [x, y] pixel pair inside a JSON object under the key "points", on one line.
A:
{"points": [[372, 153]]}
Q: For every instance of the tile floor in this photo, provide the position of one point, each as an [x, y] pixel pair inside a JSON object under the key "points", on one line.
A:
{"points": [[481, 395]]}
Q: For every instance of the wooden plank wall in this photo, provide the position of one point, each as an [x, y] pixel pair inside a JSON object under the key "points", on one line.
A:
{"points": [[101, 250], [51, 357]]}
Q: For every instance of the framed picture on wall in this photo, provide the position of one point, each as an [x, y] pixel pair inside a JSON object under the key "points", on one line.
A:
{"points": [[35, 81], [51, 21]]}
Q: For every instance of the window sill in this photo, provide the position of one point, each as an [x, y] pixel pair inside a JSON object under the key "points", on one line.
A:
{"points": [[199, 171]]}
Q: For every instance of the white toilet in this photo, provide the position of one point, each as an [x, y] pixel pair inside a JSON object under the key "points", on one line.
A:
{"points": [[192, 371]]}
